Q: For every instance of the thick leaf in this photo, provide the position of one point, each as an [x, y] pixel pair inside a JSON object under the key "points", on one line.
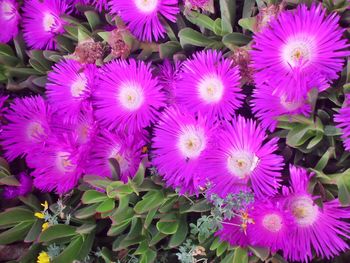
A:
{"points": [[119, 228], [97, 181], [298, 135], [32, 201], [200, 20], [15, 215], [168, 49], [140, 175], [150, 200], [34, 232], [118, 188], [343, 183], [56, 232], [31, 255], [240, 255], [201, 206], [16, 233], [106, 206], [228, 13], [149, 256], [189, 37], [86, 228], [93, 196], [86, 212], [168, 224], [179, 237], [93, 19], [221, 249], [71, 252], [261, 252], [234, 40], [321, 164]]}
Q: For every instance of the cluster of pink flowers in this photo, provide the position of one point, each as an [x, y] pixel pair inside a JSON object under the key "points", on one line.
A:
{"points": [[187, 113]]}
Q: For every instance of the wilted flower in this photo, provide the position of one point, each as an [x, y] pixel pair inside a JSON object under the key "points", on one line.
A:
{"points": [[9, 18], [267, 14], [241, 58], [143, 16], [120, 49], [88, 52]]}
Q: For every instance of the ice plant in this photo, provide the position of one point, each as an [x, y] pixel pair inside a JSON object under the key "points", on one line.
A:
{"points": [[343, 122], [42, 22], [179, 143], [317, 229], [268, 106], [58, 166], [28, 127], [126, 150], [241, 154], [69, 87], [9, 19], [300, 50], [209, 84], [143, 16], [272, 225], [127, 96]]}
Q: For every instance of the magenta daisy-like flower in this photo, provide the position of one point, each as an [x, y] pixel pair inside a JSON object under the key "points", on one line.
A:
{"points": [[58, 166], [26, 184], [127, 96], [9, 18], [241, 154], [317, 229], [70, 86], [42, 22], [179, 142], [268, 106], [143, 16], [343, 122], [28, 127], [300, 50], [99, 4], [272, 225], [126, 150], [209, 84]]}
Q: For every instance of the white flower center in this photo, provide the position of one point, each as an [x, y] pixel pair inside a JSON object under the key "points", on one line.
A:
{"points": [[131, 96], [50, 23], [298, 52], [146, 6], [35, 130], [211, 89], [241, 163], [304, 210], [192, 141], [122, 162], [290, 105], [8, 10], [64, 163], [79, 85], [272, 222]]}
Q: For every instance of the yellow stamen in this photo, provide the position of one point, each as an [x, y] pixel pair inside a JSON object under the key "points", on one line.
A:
{"points": [[45, 205], [45, 226], [43, 258], [39, 215]]}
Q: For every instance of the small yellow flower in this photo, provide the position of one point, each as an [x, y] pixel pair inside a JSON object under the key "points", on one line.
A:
{"points": [[45, 205], [43, 258], [39, 215], [45, 226]]}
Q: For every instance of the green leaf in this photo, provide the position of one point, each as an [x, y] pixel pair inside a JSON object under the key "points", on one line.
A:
{"points": [[168, 49], [34, 232], [321, 164], [234, 40], [142, 248], [247, 23], [261, 252], [6, 50], [179, 237], [106, 206], [135, 229], [12, 216], [86, 228], [156, 238], [216, 243], [343, 183], [168, 224], [298, 135], [93, 196], [330, 130], [9, 180], [119, 228], [228, 13], [140, 175], [200, 20], [86, 212], [118, 188], [71, 252], [150, 200], [316, 140], [32, 201], [198, 207], [189, 37], [16, 233], [97, 181], [241, 255], [93, 18], [8, 60], [57, 231], [149, 256], [149, 217], [221, 249]]}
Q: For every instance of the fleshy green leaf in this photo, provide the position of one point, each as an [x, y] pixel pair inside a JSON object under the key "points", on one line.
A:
{"points": [[56, 232]]}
